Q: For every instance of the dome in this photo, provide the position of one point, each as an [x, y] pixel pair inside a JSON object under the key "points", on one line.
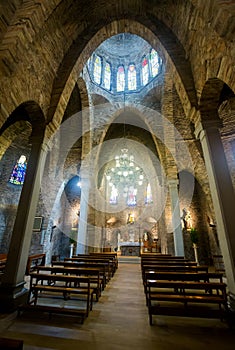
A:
{"points": [[124, 63], [119, 46]]}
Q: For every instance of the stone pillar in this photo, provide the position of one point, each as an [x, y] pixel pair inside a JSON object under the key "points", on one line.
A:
{"points": [[118, 241], [222, 193], [176, 221], [12, 291], [82, 226]]}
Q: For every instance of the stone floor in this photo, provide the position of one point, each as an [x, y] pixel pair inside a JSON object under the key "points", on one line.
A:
{"points": [[119, 321]]}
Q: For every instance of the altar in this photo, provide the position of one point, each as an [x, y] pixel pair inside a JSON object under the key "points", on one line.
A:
{"points": [[130, 248]]}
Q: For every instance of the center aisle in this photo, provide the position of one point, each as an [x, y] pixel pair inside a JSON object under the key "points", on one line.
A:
{"points": [[119, 321]]}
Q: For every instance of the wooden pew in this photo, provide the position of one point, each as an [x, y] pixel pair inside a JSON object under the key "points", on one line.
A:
{"points": [[110, 259], [191, 299], [162, 257], [91, 261], [3, 260], [34, 261], [101, 266], [93, 273], [11, 344], [112, 255], [168, 261], [159, 276], [155, 255], [66, 286], [184, 276], [173, 268]]}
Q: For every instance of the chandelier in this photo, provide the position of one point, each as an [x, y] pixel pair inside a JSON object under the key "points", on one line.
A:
{"points": [[125, 172]]}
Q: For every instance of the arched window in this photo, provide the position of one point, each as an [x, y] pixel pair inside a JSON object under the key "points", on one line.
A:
{"points": [[148, 195], [97, 70], [114, 196], [131, 77], [19, 171], [154, 62], [120, 78], [107, 76], [131, 197], [145, 71]]}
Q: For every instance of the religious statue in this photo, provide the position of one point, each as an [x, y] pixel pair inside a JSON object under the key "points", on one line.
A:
{"points": [[187, 220], [147, 239]]}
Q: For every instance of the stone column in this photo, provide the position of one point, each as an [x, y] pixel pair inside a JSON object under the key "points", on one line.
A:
{"points": [[12, 291], [82, 226], [118, 241], [223, 196], [176, 221]]}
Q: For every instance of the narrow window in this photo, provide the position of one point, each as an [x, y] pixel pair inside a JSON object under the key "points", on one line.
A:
{"points": [[107, 76], [131, 197], [120, 79], [97, 70], [154, 62], [145, 71], [148, 195], [131, 77], [114, 196], [19, 171]]}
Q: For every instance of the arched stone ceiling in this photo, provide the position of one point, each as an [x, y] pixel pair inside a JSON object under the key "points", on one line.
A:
{"points": [[72, 20], [124, 45], [28, 111], [74, 23], [162, 32]]}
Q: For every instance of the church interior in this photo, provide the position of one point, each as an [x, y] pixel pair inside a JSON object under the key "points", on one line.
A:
{"points": [[117, 137]]}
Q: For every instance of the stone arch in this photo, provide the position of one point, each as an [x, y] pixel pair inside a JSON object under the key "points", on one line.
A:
{"points": [[8, 135], [211, 99], [215, 91], [45, 18], [147, 119], [84, 95], [28, 113], [76, 58], [140, 116]]}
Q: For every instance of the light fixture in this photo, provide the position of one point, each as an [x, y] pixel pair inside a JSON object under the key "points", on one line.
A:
{"points": [[125, 172]]}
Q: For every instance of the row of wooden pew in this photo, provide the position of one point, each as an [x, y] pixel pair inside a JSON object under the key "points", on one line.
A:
{"points": [[32, 262], [3, 260], [175, 286], [70, 286]]}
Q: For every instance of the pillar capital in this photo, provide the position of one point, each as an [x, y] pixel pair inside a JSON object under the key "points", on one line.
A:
{"points": [[205, 125], [173, 182]]}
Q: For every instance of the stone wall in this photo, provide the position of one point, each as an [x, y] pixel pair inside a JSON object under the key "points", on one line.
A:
{"points": [[61, 36]]}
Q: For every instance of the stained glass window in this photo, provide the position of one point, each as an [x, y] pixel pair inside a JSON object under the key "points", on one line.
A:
{"points": [[18, 172], [148, 195], [120, 79], [131, 197], [107, 76], [114, 196], [145, 71], [154, 62], [131, 77], [97, 70]]}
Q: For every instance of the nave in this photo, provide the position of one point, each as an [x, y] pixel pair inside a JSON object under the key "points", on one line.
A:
{"points": [[119, 320]]}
